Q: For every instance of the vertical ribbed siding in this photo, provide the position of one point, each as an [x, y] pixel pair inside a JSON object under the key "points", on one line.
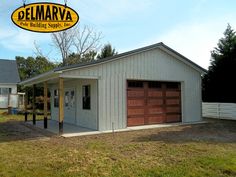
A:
{"points": [[151, 65]]}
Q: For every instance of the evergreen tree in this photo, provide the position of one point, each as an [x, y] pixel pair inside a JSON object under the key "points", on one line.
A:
{"points": [[107, 51], [219, 82], [78, 59]]}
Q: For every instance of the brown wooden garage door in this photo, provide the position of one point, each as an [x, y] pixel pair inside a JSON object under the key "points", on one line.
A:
{"points": [[153, 102]]}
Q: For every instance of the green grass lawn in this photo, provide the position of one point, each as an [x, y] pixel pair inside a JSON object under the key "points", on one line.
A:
{"points": [[198, 150]]}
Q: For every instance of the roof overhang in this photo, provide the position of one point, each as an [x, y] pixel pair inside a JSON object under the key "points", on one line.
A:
{"points": [[51, 76], [40, 78]]}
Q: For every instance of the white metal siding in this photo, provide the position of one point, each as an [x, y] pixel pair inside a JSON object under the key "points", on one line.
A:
{"points": [[12, 86], [150, 65], [219, 110]]}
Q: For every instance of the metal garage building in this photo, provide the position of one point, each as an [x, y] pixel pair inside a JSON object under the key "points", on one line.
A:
{"points": [[150, 85]]}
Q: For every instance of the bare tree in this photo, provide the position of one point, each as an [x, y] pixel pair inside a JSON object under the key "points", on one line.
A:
{"points": [[38, 51], [86, 40], [83, 39], [63, 42], [75, 45]]}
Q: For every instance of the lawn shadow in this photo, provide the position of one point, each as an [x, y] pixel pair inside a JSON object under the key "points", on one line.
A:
{"points": [[18, 130], [212, 132]]}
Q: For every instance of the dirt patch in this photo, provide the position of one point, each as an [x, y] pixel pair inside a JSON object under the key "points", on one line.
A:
{"points": [[214, 131], [222, 131], [16, 130]]}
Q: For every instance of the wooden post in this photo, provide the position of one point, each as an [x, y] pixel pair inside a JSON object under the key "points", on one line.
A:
{"points": [[34, 108], [61, 104], [8, 105], [25, 104], [45, 100]]}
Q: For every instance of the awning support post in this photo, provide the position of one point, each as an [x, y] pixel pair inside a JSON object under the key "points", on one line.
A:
{"points": [[25, 104], [45, 100], [34, 107], [61, 105]]}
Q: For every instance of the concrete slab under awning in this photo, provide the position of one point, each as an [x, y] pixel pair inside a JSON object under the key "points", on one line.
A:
{"points": [[68, 129], [74, 130]]}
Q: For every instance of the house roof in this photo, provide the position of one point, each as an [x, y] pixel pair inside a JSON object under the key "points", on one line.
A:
{"points": [[9, 72], [160, 45]]}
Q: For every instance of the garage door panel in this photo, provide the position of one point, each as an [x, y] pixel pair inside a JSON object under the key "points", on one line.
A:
{"points": [[173, 118], [157, 110], [135, 111], [173, 109], [135, 102], [152, 93], [172, 93], [156, 119], [134, 121], [173, 101], [135, 93], [155, 102]]}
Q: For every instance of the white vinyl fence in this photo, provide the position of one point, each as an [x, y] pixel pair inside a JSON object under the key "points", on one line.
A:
{"points": [[219, 110]]}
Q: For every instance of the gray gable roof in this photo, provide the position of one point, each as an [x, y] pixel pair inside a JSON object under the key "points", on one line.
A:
{"points": [[157, 45], [9, 72]]}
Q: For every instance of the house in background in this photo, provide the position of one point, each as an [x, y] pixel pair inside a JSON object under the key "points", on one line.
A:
{"points": [[150, 85], [9, 77]]}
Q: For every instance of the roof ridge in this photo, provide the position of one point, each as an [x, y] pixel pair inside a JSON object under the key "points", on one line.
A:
{"points": [[110, 58]]}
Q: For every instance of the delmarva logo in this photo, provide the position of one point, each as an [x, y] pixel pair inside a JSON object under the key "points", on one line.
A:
{"points": [[45, 17]]}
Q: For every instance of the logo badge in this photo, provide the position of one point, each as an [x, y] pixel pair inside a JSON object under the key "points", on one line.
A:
{"points": [[45, 17]]}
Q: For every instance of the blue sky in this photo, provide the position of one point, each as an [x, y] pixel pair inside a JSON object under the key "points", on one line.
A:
{"points": [[191, 27]]}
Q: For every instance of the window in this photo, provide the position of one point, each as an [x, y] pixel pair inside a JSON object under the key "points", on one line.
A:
{"points": [[86, 97], [135, 84], [72, 98], [66, 98], [154, 84], [5, 91], [172, 85], [56, 99]]}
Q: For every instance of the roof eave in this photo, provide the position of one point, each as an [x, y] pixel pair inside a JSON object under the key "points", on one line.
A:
{"points": [[40, 78]]}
